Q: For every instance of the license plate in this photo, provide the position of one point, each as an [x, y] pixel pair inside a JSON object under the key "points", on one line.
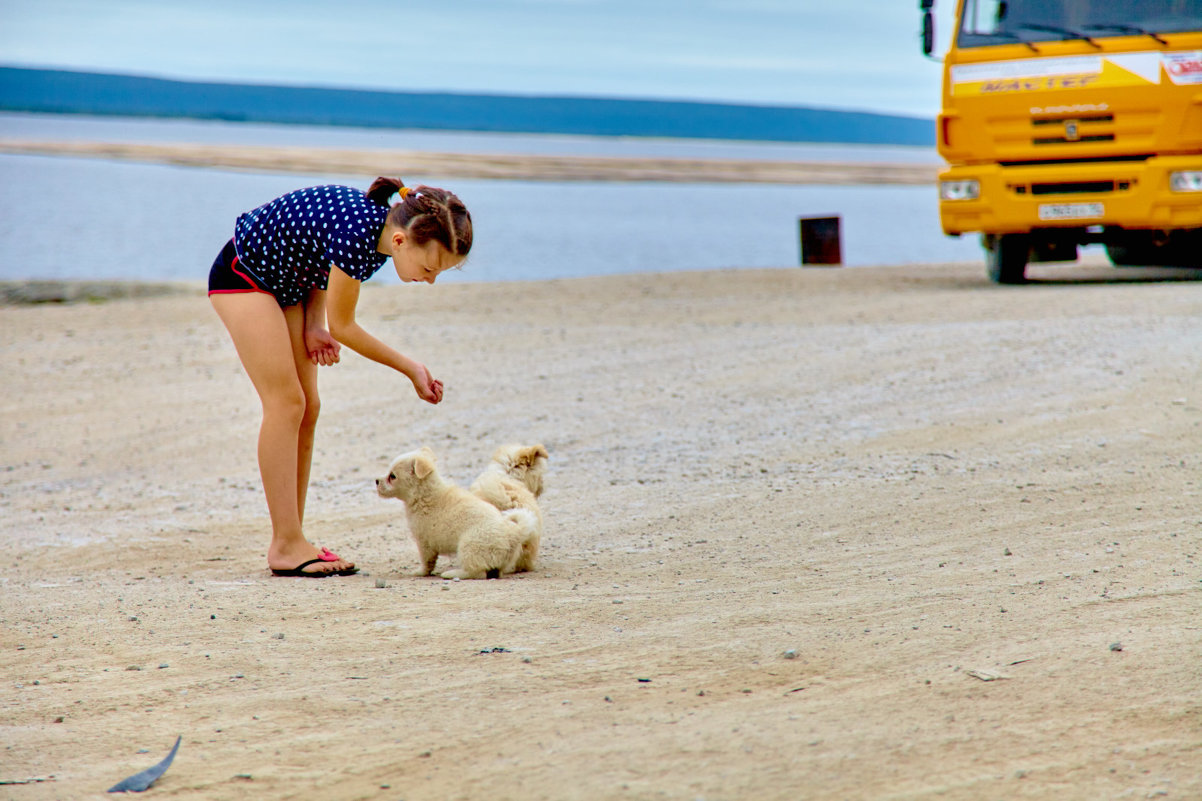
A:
{"points": [[1070, 211]]}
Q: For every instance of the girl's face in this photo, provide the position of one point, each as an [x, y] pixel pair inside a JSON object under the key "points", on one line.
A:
{"points": [[419, 262]]}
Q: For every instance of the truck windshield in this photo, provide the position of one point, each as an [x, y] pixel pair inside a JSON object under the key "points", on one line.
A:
{"points": [[993, 22]]}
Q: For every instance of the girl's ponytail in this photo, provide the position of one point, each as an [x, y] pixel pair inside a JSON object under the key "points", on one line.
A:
{"points": [[382, 189], [427, 212]]}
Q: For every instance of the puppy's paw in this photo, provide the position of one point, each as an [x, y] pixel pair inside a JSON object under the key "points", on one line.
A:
{"points": [[455, 574]]}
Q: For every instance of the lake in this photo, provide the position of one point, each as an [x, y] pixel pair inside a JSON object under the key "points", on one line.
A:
{"points": [[68, 218]]}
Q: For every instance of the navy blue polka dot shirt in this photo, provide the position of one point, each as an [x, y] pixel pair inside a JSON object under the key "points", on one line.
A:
{"points": [[289, 243]]}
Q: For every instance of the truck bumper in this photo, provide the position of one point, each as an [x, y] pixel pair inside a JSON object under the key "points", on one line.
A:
{"points": [[1118, 194]]}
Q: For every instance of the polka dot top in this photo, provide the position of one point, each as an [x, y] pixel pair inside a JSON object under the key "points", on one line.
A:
{"points": [[289, 243]]}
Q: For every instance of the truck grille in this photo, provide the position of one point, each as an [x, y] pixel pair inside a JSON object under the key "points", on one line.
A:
{"points": [[1079, 188], [1071, 188], [1072, 130]]}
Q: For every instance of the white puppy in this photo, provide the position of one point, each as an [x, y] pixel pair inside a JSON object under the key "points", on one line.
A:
{"points": [[447, 519], [514, 480]]}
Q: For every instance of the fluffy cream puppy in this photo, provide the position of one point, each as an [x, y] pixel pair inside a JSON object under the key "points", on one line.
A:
{"points": [[514, 480], [447, 519]]}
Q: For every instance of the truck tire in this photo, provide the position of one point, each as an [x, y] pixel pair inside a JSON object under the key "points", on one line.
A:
{"points": [[1128, 256], [1006, 257], [1153, 255]]}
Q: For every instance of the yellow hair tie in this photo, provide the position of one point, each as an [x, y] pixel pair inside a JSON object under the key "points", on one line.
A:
{"points": [[403, 191]]}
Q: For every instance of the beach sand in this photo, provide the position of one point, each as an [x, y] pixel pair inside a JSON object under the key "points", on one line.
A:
{"points": [[857, 534], [511, 166]]}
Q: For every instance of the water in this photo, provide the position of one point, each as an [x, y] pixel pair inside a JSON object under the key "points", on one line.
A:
{"points": [[67, 218], [138, 129]]}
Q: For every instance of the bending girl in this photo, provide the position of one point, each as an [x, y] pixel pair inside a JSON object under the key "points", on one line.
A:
{"points": [[286, 287]]}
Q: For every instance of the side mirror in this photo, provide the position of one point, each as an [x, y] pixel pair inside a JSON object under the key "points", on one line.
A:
{"points": [[928, 32]]}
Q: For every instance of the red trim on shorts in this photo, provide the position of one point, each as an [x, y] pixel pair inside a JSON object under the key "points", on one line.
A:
{"points": [[254, 285]]}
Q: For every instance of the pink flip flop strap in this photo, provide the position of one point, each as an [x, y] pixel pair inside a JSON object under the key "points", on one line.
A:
{"points": [[328, 556]]}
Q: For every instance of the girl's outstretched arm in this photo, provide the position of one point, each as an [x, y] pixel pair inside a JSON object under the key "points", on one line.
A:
{"points": [[341, 298], [322, 348]]}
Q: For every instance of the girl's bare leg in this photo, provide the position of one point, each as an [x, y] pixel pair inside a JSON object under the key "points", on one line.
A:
{"points": [[262, 335], [306, 371]]}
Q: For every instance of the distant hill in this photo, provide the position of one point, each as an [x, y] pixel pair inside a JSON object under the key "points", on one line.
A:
{"points": [[63, 92]]}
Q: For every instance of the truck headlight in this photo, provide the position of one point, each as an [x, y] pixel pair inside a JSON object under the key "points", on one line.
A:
{"points": [[1186, 181], [961, 190]]}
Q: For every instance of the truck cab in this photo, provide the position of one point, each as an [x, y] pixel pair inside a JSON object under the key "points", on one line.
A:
{"points": [[1073, 122]]}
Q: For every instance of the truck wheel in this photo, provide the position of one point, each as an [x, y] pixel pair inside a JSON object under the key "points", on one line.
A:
{"points": [[1181, 251], [1006, 258], [1128, 256]]}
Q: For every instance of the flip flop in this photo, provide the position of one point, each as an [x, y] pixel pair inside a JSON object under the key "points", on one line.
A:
{"points": [[299, 570]]}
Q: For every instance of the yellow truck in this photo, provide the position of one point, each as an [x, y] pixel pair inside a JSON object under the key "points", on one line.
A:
{"points": [[1072, 122]]}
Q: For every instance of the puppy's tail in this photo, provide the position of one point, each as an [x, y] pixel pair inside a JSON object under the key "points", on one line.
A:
{"points": [[524, 519]]}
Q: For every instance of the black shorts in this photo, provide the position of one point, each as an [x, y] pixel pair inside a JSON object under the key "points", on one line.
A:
{"points": [[229, 276]]}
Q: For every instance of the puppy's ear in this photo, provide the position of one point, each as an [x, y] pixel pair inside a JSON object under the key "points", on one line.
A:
{"points": [[527, 457], [423, 465]]}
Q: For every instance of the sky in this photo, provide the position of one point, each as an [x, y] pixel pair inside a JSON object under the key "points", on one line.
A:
{"points": [[840, 54]]}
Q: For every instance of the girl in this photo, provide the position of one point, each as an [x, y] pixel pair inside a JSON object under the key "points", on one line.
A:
{"points": [[286, 287]]}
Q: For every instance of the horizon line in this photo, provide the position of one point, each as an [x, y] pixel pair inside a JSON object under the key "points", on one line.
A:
{"points": [[460, 92]]}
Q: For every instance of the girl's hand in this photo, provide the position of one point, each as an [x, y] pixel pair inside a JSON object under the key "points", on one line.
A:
{"points": [[428, 388], [322, 348]]}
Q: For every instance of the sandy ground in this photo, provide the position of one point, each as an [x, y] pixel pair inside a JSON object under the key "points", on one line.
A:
{"points": [[514, 166], [832, 534]]}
